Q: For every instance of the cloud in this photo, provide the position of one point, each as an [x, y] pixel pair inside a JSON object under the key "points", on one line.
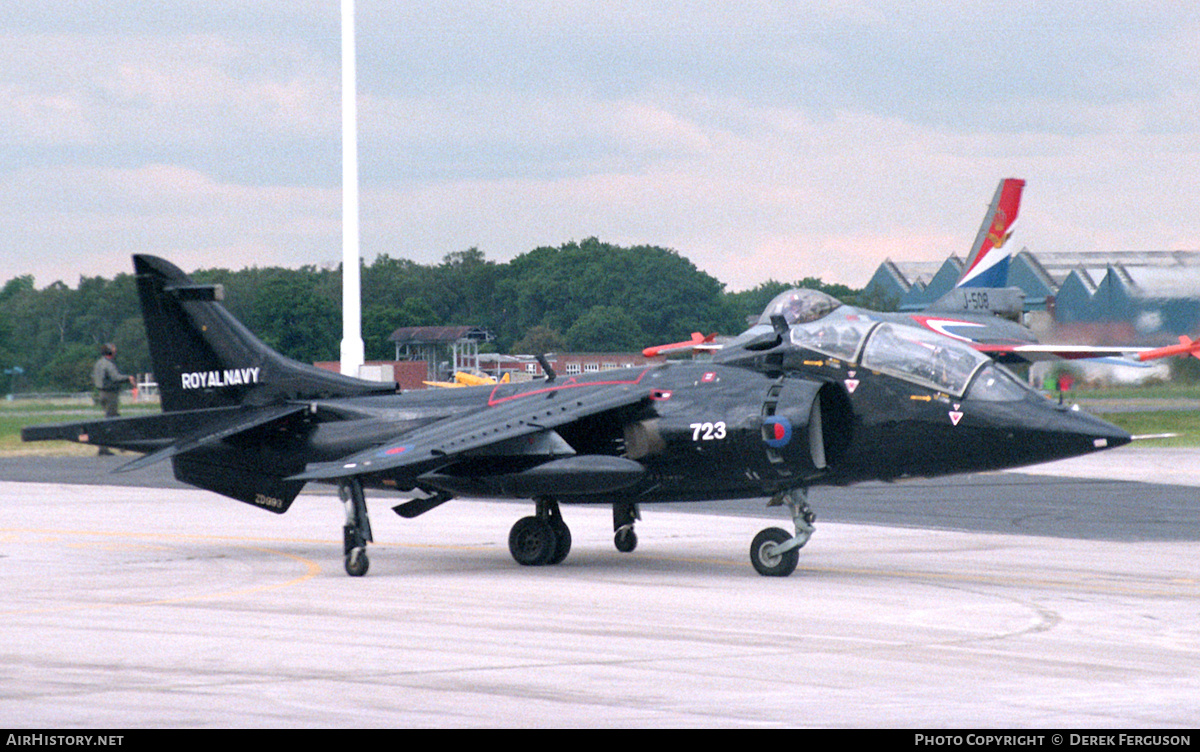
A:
{"points": [[754, 138], [107, 92], [87, 221]]}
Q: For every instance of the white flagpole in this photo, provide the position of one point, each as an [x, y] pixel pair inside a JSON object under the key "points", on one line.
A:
{"points": [[352, 355]]}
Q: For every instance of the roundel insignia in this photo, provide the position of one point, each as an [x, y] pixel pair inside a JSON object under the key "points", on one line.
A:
{"points": [[777, 431], [396, 450]]}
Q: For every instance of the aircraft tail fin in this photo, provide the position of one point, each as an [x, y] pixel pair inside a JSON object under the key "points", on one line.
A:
{"points": [[205, 358], [987, 266]]}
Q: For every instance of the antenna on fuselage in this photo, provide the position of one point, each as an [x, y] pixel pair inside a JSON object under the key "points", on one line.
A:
{"points": [[545, 364]]}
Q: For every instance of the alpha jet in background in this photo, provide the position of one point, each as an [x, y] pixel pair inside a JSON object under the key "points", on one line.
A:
{"points": [[981, 311], [815, 393]]}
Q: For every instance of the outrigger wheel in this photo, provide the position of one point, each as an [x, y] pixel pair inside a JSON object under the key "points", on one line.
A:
{"points": [[357, 531], [624, 537], [357, 562]]}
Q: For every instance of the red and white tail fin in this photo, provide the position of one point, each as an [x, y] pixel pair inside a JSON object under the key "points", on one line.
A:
{"points": [[987, 266]]}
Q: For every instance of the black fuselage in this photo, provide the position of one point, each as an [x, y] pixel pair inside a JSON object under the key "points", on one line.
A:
{"points": [[708, 431], [814, 393]]}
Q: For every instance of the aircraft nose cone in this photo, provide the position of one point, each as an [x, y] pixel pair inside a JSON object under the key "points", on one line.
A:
{"points": [[1081, 433], [1037, 431], [1109, 436]]}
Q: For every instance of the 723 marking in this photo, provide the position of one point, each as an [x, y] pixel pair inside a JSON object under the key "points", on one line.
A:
{"points": [[708, 431]]}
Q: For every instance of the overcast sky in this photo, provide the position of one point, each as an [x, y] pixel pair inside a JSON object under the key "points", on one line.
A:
{"points": [[759, 139]]}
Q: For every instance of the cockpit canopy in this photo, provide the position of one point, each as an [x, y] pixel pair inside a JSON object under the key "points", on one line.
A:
{"points": [[923, 357], [899, 349], [799, 306]]}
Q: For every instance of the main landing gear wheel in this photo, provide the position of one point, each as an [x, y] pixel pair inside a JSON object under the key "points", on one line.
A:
{"points": [[768, 558], [562, 540], [543, 539], [532, 541]]}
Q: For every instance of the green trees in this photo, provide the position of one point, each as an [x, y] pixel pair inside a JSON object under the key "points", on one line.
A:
{"points": [[604, 328], [583, 296], [754, 300], [296, 317], [588, 295], [53, 335], [664, 296]]}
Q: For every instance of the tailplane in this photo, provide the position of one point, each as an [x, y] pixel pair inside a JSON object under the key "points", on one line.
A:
{"points": [[205, 358]]}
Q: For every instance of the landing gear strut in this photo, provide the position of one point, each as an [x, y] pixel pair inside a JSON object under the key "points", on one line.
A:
{"points": [[774, 552], [356, 533], [541, 539]]}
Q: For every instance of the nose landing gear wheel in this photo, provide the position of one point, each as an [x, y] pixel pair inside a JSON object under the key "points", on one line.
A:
{"points": [[766, 556]]}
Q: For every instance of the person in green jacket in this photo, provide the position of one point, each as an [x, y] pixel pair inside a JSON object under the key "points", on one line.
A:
{"points": [[108, 381]]}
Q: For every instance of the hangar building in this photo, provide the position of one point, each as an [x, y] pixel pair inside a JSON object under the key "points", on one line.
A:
{"points": [[1126, 297]]}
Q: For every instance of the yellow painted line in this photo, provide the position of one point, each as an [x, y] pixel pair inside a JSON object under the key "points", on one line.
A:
{"points": [[1092, 585], [1170, 587], [311, 568], [104, 546]]}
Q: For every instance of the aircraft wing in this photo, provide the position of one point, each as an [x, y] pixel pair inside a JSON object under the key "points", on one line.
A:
{"points": [[1034, 353], [1187, 346], [1130, 356], [229, 426], [165, 435], [517, 425], [1009, 342]]}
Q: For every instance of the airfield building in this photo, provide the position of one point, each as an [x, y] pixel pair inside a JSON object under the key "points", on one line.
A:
{"points": [[1124, 297]]}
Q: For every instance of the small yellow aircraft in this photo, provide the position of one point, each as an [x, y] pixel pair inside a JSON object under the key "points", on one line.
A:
{"points": [[462, 378]]}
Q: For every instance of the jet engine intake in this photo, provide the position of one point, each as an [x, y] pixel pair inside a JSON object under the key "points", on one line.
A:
{"points": [[806, 426]]}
